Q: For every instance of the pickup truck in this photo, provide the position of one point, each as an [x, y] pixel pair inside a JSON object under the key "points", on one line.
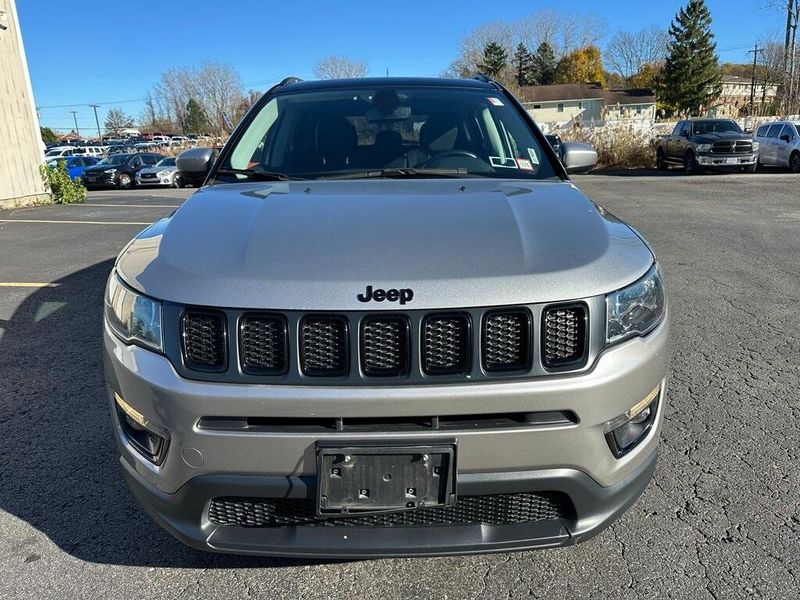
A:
{"points": [[707, 144]]}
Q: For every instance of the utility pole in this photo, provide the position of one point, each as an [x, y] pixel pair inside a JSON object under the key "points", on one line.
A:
{"points": [[97, 122], [75, 116], [755, 52]]}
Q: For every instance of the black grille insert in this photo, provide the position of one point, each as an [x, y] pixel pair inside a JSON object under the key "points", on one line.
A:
{"points": [[506, 340], [263, 344], [564, 336], [323, 346], [204, 339], [494, 509], [384, 346], [445, 344]]}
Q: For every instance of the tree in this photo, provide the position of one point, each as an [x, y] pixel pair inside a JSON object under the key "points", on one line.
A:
{"points": [[116, 120], [646, 77], [339, 67], [195, 120], [523, 65], [543, 67], [690, 80], [584, 65], [495, 60], [628, 52], [48, 135]]}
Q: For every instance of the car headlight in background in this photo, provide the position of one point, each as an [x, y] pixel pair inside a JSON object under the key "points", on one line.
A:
{"points": [[636, 309], [704, 147], [163, 173], [110, 171], [134, 318], [755, 146]]}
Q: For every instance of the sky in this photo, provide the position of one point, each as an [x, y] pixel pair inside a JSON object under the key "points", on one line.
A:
{"points": [[84, 52]]}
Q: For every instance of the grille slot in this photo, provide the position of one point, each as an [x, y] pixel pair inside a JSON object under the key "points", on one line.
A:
{"points": [[735, 147], [204, 340], [445, 344], [323, 346], [506, 341], [495, 509], [384, 346], [263, 344], [563, 336]]}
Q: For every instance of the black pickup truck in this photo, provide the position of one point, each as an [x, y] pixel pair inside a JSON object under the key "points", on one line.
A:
{"points": [[707, 144]]}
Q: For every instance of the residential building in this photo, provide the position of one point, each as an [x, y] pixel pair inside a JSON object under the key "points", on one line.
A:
{"points": [[587, 103], [735, 98], [20, 138]]}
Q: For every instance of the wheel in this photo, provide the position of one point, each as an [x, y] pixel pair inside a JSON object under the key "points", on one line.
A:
{"points": [[689, 163], [661, 164], [794, 162], [125, 181], [177, 181]]}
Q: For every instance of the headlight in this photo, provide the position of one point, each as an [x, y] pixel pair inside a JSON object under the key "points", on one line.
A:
{"points": [[755, 145], [704, 147], [163, 173], [133, 317], [636, 309], [110, 171]]}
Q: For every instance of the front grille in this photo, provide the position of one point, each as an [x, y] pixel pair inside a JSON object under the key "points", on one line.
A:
{"points": [[506, 340], [563, 336], [495, 509], [384, 346], [445, 344], [204, 340], [736, 147], [148, 175], [323, 346], [263, 344]]}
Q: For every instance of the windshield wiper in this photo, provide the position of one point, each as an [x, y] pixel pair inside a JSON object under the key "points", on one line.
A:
{"points": [[255, 174], [402, 173]]}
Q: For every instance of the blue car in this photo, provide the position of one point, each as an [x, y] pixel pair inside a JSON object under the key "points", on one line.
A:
{"points": [[76, 165]]}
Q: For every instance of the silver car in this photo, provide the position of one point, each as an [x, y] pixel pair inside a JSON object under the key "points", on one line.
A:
{"points": [[780, 145], [164, 173], [389, 324]]}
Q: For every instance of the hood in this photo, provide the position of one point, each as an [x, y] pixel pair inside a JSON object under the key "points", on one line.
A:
{"points": [[709, 138], [317, 245]]}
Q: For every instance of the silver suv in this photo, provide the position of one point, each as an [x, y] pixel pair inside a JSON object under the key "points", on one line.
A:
{"points": [[780, 145], [387, 325]]}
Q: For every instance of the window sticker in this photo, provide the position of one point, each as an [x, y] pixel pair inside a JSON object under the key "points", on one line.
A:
{"points": [[495, 101], [505, 163], [524, 164], [534, 156]]}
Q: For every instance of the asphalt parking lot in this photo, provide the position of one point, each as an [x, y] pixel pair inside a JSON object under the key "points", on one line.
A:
{"points": [[720, 520]]}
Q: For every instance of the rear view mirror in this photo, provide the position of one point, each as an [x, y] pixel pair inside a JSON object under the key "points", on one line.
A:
{"points": [[195, 162], [577, 157]]}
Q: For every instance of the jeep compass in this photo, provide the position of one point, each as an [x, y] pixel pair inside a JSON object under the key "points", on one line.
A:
{"points": [[388, 324]]}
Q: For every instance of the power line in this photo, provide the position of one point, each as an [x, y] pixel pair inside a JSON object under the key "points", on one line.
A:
{"points": [[97, 103]]}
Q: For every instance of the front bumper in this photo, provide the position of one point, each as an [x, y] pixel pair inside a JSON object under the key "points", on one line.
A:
{"points": [[156, 181], [99, 180], [727, 160], [572, 459]]}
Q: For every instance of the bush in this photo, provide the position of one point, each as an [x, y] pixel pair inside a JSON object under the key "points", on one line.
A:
{"points": [[61, 188], [617, 147]]}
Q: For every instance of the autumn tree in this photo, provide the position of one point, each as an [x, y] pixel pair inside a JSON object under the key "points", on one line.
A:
{"points": [[117, 120], [584, 65], [339, 67], [646, 77], [690, 80]]}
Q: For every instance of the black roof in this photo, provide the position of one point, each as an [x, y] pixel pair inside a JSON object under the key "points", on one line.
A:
{"points": [[332, 84]]}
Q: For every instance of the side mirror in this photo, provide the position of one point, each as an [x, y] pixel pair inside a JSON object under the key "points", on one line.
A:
{"points": [[785, 137], [195, 162], [577, 157]]}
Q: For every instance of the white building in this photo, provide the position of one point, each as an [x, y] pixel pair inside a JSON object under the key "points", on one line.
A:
{"points": [[20, 138], [735, 98]]}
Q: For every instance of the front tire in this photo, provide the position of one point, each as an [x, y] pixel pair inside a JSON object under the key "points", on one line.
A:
{"points": [[794, 162], [125, 182], [689, 163], [177, 181], [661, 164]]}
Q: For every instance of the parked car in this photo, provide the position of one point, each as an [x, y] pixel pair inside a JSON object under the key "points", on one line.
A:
{"points": [[161, 140], [89, 151], [707, 144], [779, 145], [164, 173], [178, 140], [59, 152], [118, 170], [413, 335], [75, 165]]}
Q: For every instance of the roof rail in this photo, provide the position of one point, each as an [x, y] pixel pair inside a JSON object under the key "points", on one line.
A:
{"points": [[482, 77], [289, 81]]}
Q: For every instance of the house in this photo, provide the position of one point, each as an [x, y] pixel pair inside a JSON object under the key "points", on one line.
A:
{"points": [[587, 103], [735, 98]]}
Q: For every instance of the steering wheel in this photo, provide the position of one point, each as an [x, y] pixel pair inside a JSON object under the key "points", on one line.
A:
{"points": [[451, 154]]}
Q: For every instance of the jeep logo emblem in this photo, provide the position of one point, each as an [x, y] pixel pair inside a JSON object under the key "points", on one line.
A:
{"points": [[403, 295]]}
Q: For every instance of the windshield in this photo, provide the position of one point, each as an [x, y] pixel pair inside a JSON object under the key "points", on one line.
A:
{"points": [[355, 131], [116, 159], [166, 162], [701, 127]]}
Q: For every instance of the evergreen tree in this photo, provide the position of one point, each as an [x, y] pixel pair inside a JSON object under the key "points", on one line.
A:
{"points": [[523, 65], [690, 79], [495, 60], [195, 119], [543, 65]]}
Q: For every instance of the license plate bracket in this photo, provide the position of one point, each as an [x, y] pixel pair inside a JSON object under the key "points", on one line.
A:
{"points": [[364, 479]]}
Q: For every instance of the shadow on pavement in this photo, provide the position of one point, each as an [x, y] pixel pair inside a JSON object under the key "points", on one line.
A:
{"points": [[60, 470]]}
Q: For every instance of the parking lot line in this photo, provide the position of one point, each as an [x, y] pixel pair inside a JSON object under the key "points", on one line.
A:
{"points": [[127, 205], [27, 284], [53, 221]]}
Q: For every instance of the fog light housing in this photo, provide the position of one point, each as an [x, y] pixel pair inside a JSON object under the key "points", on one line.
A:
{"points": [[146, 438], [627, 431]]}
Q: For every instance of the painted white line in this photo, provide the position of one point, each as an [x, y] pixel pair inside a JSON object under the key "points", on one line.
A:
{"points": [[28, 284], [74, 222], [128, 205]]}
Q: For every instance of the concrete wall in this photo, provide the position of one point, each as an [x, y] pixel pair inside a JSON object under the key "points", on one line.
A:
{"points": [[20, 140]]}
